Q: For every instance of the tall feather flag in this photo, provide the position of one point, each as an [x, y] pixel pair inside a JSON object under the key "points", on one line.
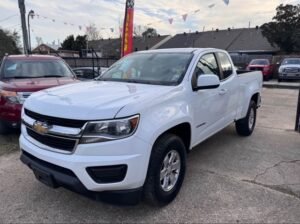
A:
{"points": [[127, 38]]}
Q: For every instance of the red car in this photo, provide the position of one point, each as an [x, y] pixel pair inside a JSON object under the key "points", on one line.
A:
{"points": [[21, 75], [263, 65]]}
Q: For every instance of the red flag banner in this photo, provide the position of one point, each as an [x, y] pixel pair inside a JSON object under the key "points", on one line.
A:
{"points": [[127, 39]]}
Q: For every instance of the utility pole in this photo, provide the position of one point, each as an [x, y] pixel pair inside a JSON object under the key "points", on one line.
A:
{"points": [[23, 23]]}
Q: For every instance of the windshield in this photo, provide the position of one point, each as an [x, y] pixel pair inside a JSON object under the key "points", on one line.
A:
{"points": [[294, 61], [150, 68], [35, 69], [259, 62]]}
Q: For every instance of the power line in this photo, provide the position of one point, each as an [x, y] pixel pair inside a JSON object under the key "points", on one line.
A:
{"points": [[9, 17]]}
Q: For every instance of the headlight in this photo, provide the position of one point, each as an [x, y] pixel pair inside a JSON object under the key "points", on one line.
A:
{"points": [[11, 97], [102, 131]]}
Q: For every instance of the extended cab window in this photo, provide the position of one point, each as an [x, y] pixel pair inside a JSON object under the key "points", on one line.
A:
{"points": [[225, 64], [207, 65]]}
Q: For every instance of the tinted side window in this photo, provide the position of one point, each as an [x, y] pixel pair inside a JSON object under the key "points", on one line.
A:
{"points": [[207, 65], [225, 64]]}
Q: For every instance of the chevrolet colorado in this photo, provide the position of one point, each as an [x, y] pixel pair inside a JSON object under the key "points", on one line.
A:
{"points": [[127, 133]]}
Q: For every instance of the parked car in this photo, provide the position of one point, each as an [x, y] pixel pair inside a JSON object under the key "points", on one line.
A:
{"points": [[127, 133], [87, 73], [289, 69], [21, 75], [263, 65]]}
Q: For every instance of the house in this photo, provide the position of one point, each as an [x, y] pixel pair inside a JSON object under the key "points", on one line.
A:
{"points": [[54, 50], [242, 44], [111, 48]]}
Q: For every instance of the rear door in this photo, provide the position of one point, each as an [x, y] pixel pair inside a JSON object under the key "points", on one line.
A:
{"points": [[229, 88]]}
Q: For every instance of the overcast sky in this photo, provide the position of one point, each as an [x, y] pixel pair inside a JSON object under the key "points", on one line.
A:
{"points": [[108, 14]]}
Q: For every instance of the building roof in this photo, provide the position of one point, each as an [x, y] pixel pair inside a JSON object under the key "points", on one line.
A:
{"points": [[112, 47], [251, 40], [233, 40]]}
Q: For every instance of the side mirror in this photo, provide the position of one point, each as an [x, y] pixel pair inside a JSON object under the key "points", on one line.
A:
{"points": [[207, 82]]}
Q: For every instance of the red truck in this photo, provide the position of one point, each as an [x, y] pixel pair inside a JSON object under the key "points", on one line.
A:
{"points": [[263, 65], [21, 75]]}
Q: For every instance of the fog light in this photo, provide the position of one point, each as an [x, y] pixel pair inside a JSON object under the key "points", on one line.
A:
{"points": [[107, 174]]}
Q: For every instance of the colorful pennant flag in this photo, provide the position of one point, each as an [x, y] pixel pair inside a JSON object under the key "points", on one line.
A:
{"points": [[184, 17], [211, 6], [226, 2], [171, 20]]}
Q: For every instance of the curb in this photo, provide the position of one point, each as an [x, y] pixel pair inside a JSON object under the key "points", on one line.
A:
{"points": [[282, 85]]}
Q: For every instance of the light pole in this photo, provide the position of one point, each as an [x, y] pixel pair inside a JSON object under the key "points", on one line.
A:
{"points": [[30, 14]]}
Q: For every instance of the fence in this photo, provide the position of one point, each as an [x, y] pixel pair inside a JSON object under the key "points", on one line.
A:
{"points": [[90, 62]]}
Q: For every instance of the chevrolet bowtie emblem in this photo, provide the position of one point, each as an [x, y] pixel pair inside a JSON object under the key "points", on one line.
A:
{"points": [[41, 127]]}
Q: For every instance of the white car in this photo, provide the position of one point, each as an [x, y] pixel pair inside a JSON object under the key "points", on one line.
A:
{"points": [[127, 134], [289, 69]]}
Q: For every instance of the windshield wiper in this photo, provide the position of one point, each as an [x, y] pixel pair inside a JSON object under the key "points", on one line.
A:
{"points": [[19, 77], [52, 76]]}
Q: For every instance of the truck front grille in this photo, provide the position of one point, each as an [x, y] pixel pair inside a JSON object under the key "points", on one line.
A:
{"points": [[55, 120], [59, 143]]}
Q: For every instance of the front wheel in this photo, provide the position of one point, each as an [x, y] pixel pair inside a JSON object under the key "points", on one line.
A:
{"points": [[245, 126], [166, 170]]}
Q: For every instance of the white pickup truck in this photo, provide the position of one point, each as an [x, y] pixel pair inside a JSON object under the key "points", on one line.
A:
{"points": [[126, 134]]}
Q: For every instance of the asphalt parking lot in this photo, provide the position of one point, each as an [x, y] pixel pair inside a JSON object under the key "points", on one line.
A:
{"points": [[229, 179]]}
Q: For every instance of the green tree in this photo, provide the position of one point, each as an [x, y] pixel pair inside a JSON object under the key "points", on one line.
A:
{"points": [[74, 44], [150, 32], [284, 29], [9, 42]]}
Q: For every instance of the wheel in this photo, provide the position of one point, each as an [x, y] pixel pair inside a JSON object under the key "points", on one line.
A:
{"points": [[166, 170], [245, 126]]}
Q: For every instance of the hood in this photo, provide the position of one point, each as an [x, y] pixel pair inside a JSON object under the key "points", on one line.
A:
{"points": [[93, 100], [35, 84]]}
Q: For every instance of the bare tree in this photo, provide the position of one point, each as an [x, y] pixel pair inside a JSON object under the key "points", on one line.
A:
{"points": [[39, 40], [92, 32]]}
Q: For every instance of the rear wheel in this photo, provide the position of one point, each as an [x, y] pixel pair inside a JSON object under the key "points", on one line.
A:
{"points": [[166, 170], [245, 126]]}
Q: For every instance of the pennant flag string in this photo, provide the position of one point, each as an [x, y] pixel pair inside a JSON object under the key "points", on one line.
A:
{"points": [[80, 27], [186, 15]]}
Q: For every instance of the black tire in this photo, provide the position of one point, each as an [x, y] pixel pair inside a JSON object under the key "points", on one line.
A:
{"points": [[244, 126], [279, 80], [154, 193]]}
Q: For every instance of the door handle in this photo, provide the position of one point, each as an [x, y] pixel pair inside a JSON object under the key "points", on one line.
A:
{"points": [[222, 91]]}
